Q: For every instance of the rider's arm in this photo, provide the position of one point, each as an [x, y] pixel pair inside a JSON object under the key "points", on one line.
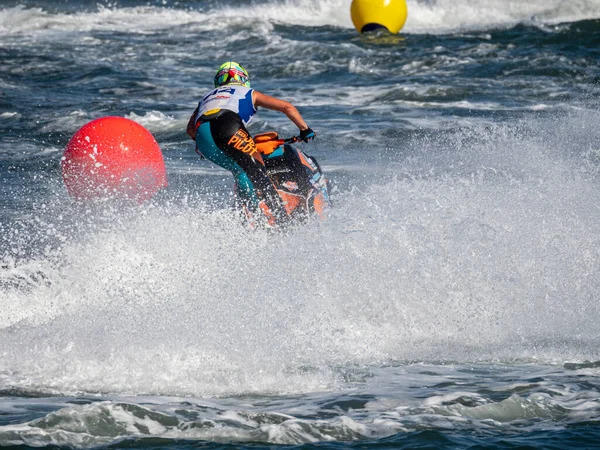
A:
{"points": [[191, 126], [266, 101]]}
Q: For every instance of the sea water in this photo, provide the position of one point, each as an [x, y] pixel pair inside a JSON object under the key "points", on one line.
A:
{"points": [[450, 299]]}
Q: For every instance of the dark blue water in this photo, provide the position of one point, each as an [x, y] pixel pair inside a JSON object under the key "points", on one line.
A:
{"points": [[450, 300]]}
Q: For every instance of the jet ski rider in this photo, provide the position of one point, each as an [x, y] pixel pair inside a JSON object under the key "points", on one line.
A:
{"points": [[218, 126]]}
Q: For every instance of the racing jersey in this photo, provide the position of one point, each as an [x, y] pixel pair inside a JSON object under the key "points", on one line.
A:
{"points": [[232, 98]]}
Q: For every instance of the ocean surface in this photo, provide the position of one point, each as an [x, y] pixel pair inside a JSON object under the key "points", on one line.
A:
{"points": [[450, 300]]}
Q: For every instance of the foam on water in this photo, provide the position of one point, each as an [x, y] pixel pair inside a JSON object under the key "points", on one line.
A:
{"points": [[424, 16], [444, 16], [388, 401]]}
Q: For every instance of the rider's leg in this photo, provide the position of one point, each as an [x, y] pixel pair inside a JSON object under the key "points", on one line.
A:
{"points": [[254, 186]]}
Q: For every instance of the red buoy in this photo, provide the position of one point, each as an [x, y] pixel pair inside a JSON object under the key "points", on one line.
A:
{"points": [[113, 157]]}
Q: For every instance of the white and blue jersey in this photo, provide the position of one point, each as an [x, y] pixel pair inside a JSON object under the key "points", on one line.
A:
{"points": [[232, 98]]}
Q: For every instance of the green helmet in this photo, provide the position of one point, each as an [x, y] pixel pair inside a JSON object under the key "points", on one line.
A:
{"points": [[232, 73]]}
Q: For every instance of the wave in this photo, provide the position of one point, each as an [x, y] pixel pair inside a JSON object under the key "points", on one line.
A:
{"points": [[425, 16], [449, 16], [387, 401]]}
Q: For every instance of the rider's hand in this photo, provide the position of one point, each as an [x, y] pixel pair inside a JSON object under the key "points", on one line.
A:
{"points": [[307, 135]]}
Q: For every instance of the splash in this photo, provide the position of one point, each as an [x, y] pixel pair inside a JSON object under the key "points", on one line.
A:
{"points": [[478, 246]]}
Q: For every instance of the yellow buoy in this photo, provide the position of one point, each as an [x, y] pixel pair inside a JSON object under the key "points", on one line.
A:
{"points": [[369, 15]]}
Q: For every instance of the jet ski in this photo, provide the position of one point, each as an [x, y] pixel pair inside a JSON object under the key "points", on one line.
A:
{"points": [[297, 177]]}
